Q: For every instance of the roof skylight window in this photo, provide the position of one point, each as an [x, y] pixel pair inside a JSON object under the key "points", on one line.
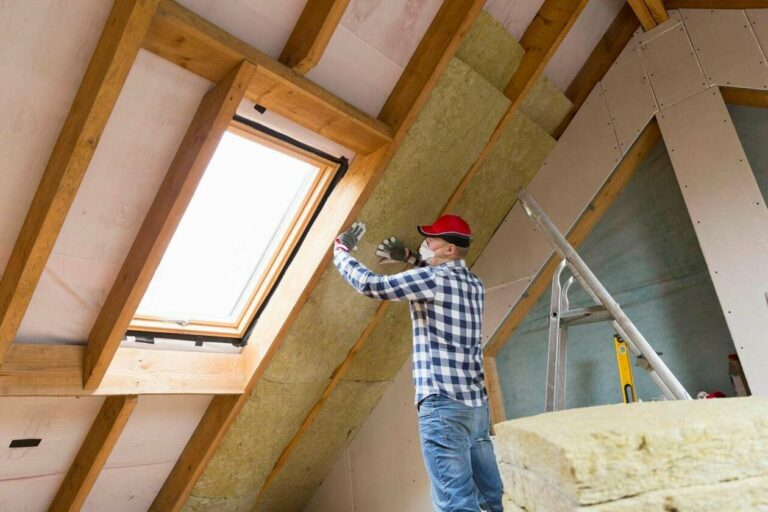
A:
{"points": [[248, 212]]}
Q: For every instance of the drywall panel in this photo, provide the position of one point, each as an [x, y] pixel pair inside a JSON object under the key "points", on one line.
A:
{"points": [[629, 96], [730, 219], [726, 47], [335, 493], [265, 25], [140, 139], [60, 423], [516, 251], [349, 56], [46, 46], [33, 494], [127, 489], [577, 167], [393, 27], [498, 303], [515, 16], [758, 19], [670, 61]]}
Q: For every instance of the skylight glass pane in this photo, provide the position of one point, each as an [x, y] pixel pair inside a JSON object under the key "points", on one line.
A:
{"points": [[243, 206]]}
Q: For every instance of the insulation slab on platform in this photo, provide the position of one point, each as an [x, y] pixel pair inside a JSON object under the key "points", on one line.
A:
{"points": [[688, 455]]}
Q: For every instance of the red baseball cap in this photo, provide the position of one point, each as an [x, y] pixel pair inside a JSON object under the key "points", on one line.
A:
{"points": [[451, 228]]}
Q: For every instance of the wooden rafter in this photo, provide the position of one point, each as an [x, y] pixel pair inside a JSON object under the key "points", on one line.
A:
{"points": [[93, 454], [57, 370], [184, 38], [583, 226], [649, 12], [313, 31], [203, 135], [495, 395], [115, 52], [541, 39], [314, 255], [599, 61], [745, 97]]}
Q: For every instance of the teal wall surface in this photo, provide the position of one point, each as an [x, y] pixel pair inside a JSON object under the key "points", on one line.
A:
{"points": [[645, 252]]}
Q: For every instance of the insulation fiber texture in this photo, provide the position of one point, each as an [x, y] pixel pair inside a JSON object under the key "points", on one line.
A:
{"points": [[491, 50], [446, 138], [688, 455]]}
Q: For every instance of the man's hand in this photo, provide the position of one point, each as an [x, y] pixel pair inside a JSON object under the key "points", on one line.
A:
{"points": [[392, 250], [347, 240]]}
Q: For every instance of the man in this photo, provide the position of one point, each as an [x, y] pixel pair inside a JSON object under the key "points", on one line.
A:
{"points": [[446, 303]]}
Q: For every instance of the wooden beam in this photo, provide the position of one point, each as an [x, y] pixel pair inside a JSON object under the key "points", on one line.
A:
{"points": [[445, 33], [313, 31], [311, 261], [93, 454], [658, 11], [643, 14], [212, 118], [583, 226], [495, 393], [115, 52], [600, 60], [716, 4], [745, 97], [57, 370], [184, 38], [541, 40]]}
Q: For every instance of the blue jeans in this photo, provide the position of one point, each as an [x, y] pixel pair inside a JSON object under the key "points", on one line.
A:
{"points": [[458, 455]]}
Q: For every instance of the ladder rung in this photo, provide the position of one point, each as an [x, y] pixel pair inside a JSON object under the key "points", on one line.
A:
{"points": [[587, 315]]}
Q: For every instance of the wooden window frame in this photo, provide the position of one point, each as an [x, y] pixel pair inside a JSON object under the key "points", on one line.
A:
{"points": [[277, 260]]}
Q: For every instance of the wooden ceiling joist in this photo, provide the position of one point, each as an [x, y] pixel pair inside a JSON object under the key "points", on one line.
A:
{"points": [[184, 38], [649, 12], [115, 52], [541, 39], [212, 118], [57, 370], [313, 31], [314, 255], [599, 61], [716, 4], [584, 225], [93, 454]]}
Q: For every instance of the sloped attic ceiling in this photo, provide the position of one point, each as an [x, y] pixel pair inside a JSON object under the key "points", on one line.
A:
{"points": [[47, 47]]}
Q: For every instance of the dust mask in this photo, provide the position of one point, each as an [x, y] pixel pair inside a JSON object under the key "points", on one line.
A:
{"points": [[425, 252]]}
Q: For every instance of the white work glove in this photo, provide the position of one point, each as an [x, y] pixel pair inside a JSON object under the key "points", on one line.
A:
{"points": [[347, 240], [392, 250]]}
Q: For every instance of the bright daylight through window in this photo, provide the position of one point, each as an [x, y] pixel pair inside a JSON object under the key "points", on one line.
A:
{"points": [[250, 208]]}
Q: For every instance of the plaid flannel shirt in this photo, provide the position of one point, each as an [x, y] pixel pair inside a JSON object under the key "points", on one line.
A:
{"points": [[446, 303]]}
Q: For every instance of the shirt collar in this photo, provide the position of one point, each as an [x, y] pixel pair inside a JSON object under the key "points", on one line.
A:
{"points": [[453, 263]]}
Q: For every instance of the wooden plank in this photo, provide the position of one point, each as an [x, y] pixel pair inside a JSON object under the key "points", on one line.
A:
{"points": [[114, 55], [657, 10], [437, 47], [716, 4], [643, 14], [541, 39], [588, 220], [57, 370], [93, 454], [212, 118], [302, 276], [745, 97], [313, 31], [495, 392], [599, 61], [186, 39]]}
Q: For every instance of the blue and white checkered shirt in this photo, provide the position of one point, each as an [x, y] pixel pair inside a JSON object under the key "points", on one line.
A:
{"points": [[446, 303]]}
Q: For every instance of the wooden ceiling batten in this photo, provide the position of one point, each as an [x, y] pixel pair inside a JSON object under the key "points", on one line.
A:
{"points": [[312, 33], [113, 57]]}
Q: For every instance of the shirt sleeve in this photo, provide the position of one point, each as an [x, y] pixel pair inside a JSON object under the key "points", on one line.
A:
{"points": [[414, 284]]}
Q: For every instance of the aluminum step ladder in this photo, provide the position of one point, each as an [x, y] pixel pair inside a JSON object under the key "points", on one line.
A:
{"points": [[605, 309]]}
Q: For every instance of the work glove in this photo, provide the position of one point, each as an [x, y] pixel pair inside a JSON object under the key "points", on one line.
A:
{"points": [[392, 250], [347, 240]]}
